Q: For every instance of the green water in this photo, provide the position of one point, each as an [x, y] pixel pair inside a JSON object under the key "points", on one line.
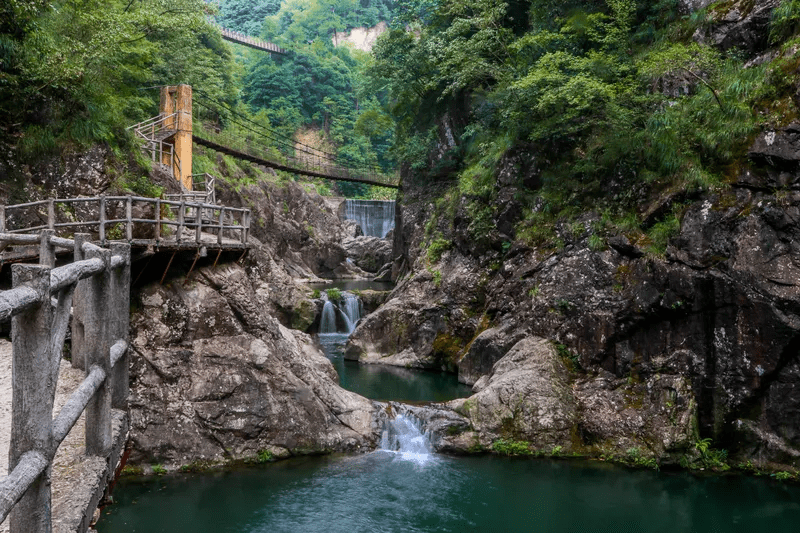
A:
{"points": [[388, 492], [390, 383]]}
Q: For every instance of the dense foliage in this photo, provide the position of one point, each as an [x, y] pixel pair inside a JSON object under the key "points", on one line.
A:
{"points": [[612, 97], [321, 87], [71, 71]]}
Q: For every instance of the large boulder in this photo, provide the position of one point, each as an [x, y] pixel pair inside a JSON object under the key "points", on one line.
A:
{"points": [[215, 379], [742, 25], [526, 397], [368, 253]]}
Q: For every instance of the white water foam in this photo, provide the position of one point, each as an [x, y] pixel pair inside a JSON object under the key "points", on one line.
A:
{"points": [[405, 437]]}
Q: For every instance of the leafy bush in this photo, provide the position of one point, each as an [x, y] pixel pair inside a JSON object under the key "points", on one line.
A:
{"points": [[511, 447], [437, 247], [334, 294]]}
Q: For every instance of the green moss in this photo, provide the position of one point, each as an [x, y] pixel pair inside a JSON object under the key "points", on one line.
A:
{"points": [[447, 350]]}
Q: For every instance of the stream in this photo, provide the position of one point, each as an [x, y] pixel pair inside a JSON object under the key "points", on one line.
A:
{"points": [[404, 487]]}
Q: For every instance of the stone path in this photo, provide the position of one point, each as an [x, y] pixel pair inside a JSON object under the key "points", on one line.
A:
{"points": [[74, 475]]}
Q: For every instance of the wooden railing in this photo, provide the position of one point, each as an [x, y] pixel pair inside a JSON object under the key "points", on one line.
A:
{"points": [[126, 218], [96, 286]]}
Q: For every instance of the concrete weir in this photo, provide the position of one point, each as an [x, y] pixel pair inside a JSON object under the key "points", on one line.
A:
{"points": [[78, 481]]}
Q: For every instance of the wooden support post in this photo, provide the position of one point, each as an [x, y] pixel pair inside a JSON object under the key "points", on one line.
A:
{"points": [[129, 218], [158, 220], [78, 347], [169, 264], [221, 224], [121, 287], [33, 393], [51, 213], [2, 219], [102, 219], [181, 212], [98, 327], [245, 226], [47, 252]]}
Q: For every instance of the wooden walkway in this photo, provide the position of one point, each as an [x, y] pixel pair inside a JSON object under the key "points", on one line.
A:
{"points": [[149, 223]]}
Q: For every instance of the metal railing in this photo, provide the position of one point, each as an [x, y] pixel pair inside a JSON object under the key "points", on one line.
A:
{"points": [[155, 131], [131, 219], [203, 190], [96, 286], [246, 40]]}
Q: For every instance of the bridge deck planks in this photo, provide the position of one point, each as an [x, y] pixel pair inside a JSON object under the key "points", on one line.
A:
{"points": [[278, 166]]}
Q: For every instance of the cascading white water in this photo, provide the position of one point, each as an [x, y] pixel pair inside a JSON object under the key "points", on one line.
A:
{"points": [[405, 436], [352, 310], [376, 217], [349, 309], [327, 323]]}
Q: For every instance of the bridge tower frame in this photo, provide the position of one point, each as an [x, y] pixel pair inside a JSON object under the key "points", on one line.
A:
{"points": [[176, 104]]}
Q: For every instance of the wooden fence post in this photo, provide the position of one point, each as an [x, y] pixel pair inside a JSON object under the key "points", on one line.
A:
{"points": [[2, 219], [51, 213], [199, 228], [129, 218], [221, 224], [33, 393], [102, 219], [121, 287], [97, 328], [47, 252], [181, 215], [78, 347], [158, 220]]}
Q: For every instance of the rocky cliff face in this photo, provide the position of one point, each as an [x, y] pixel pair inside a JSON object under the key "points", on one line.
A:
{"points": [[604, 349]]}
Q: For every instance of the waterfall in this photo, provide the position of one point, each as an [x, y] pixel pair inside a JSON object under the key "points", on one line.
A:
{"points": [[405, 436], [327, 323], [351, 310], [346, 312], [376, 217]]}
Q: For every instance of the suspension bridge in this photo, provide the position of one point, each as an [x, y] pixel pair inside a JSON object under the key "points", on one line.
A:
{"points": [[169, 137]]}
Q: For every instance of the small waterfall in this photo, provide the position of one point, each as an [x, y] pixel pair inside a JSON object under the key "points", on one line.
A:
{"points": [[376, 217], [327, 323], [346, 313], [352, 310], [405, 436]]}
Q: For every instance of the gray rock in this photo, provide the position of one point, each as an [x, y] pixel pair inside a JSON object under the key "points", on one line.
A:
{"points": [[743, 25], [368, 253], [527, 397], [214, 379]]}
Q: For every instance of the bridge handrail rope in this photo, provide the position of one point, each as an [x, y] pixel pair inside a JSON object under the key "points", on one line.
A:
{"points": [[318, 163], [181, 214], [96, 286], [252, 42]]}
